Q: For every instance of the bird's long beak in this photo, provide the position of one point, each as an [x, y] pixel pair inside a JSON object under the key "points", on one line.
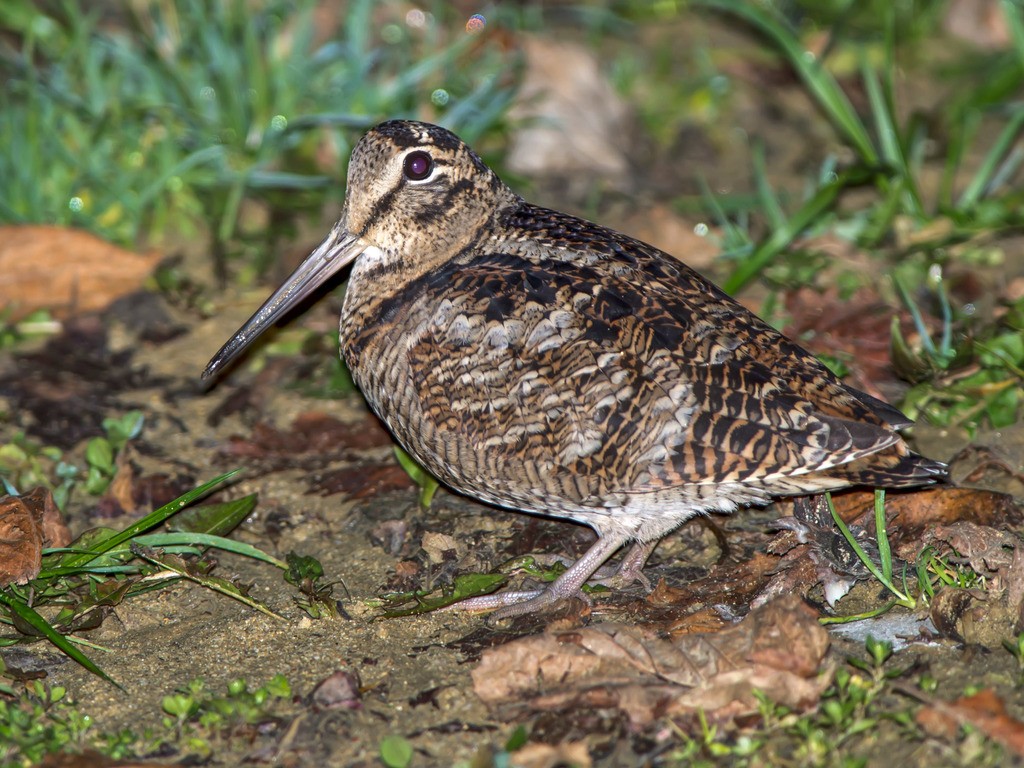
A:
{"points": [[339, 249]]}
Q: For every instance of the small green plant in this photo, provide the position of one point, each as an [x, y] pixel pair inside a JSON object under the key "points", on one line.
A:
{"points": [[305, 572], [103, 567], [196, 716], [849, 707], [37, 722], [708, 744], [965, 374], [976, 383], [935, 571], [174, 114], [25, 465], [101, 452], [395, 752]]}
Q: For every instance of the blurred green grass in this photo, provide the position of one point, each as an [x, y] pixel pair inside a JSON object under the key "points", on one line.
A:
{"points": [[138, 119]]}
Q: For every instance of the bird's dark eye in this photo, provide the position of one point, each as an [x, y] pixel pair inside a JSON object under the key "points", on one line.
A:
{"points": [[418, 166]]}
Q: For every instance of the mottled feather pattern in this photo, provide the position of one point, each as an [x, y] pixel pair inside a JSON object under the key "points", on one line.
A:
{"points": [[541, 362], [566, 373]]}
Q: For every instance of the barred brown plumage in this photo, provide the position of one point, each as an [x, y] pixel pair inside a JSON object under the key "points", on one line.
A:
{"points": [[547, 364]]}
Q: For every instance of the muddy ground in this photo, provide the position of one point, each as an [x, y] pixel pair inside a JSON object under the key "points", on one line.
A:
{"points": [[343, 500]]}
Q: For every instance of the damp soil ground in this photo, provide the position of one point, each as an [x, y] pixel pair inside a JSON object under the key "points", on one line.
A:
{"points": [[347, 505]]}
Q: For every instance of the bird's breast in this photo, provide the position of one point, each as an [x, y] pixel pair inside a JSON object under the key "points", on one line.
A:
{"points": [[515, 386]]}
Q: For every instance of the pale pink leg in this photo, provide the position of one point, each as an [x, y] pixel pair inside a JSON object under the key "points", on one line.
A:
{"points": [[507, 604]]}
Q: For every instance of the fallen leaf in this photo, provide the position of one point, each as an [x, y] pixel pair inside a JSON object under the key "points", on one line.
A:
{"points": [[340, 690], [986, 550], [777, 649], [27, 524], [857, 330], [815, 552], [437, 545], [947, 610], [121, 490], [572, 753], [563, 94], [66, 271], [979, 616], [912, 514], [984, 711]]}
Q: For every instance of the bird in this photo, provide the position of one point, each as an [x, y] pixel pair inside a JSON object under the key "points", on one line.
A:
{"points": [[542, 363]]}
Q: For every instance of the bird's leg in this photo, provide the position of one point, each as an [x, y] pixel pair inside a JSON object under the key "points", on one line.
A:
{"points": [[630, 570], [513, 603]]}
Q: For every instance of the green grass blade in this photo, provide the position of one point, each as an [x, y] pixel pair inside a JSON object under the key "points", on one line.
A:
{"points": [[151, 520], [980, 182], [208, 540], [217, 584], [781, 237], [819, 82], [882, 535], [769, 202], [27, 614], [861, 554], [214, 519], [1015, 23]]}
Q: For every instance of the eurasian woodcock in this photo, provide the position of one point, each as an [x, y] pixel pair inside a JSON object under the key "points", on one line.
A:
{"points": [[543, 363]]}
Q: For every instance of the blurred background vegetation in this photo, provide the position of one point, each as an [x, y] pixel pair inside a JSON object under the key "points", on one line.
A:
{"points": [[850, 168], [160, 122]]}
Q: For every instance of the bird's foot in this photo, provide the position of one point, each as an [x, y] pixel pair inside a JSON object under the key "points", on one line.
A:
{"points": [[506, 605], [630, 570], [567, 586]]}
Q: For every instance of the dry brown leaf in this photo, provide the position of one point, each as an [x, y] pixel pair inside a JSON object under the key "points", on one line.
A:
{"points": [[66, 271], [777, 649], [979, 617], [311, 432], [363, 482], [121, 491], [437, 545], [340, 690], [1013, 581], [987, 550], [911, 515], [27, 524], [563, 94], [572, 753], [984, 711]]}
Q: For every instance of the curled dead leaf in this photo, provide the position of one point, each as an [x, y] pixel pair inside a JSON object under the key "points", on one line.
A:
{"points": [[777, 649], [552, 755], [438, 545], [340, 690], [27, 524]]}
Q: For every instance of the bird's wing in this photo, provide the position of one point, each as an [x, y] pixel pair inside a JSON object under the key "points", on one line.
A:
{"points": [[623, 376]]}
